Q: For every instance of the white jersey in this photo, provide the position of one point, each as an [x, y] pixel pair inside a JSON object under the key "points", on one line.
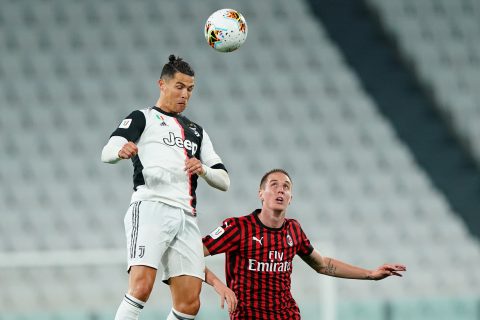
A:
{"points": [[165, 141]]}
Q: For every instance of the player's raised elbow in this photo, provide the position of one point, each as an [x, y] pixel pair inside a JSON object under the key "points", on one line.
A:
{"points": [[109, 155], [111, 149], [226, 184], [217, 178]]}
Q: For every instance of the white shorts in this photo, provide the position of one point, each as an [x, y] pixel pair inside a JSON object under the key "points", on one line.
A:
{"points": [[161, 234]]}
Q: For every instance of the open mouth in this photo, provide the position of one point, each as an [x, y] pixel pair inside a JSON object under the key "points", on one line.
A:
{"points": [[279, 199]]}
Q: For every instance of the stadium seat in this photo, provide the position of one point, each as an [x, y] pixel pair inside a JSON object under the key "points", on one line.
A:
{"points": [[436, 38], [286, 99]]}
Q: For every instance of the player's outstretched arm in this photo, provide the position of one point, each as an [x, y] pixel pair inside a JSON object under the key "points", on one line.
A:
{"points": [[336, 268], [225, 293]]}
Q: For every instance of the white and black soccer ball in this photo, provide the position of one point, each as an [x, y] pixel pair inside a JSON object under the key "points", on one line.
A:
{"points": [[226, 30]]}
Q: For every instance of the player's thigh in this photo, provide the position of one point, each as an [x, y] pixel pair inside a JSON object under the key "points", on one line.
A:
{"points": [[185, 254], [150, 227]]}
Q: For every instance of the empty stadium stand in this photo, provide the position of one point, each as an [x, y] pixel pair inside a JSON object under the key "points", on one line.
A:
{"points": [[71, 70]]}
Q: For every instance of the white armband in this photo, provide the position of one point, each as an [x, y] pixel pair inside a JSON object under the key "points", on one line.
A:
{"points": [[217, 178], [111, 149]]}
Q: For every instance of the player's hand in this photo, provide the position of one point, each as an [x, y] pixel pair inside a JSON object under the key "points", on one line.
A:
{"points": [[194, 166], [128, 150], [226, 294], [387, 270]]}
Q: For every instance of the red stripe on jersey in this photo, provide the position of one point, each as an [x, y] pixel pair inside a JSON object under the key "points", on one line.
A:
{"points": [[190, 189], [259, 265]]}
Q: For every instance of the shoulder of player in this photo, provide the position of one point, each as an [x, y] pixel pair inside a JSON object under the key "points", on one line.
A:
{"points": [[235, 220], [138, 112], [238, 222], [292, 222], [190, 123], [137, 117]]}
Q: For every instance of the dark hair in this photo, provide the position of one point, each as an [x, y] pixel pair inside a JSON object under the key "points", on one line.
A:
{"points": [[266, 175], [174, 65]]}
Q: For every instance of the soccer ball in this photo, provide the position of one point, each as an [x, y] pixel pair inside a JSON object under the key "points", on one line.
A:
{"points": [[226, 30]]}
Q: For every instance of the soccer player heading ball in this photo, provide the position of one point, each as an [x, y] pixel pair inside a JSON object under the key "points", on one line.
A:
{"points": [[169, 152], [259, 250]]}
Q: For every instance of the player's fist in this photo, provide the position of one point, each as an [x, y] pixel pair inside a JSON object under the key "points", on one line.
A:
{"points": [[128, 150], [194, 166]]}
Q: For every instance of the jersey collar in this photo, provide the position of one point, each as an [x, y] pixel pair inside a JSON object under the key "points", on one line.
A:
{"points": [[255, 215], [170, 114]]}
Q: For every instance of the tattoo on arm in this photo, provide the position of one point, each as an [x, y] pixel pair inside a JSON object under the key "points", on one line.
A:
{"points": [[329, 266], [317, 262], [329, 269]]}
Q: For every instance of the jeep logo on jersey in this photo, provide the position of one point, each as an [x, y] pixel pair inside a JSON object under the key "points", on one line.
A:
{"points": [[179, 142]]}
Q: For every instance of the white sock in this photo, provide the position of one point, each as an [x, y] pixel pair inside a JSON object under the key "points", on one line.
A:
{"points": [[129, 309], [176, 315]]}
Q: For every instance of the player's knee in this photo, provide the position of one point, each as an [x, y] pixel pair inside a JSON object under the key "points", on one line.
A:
{"points": [[189, 305], [141, 289]]}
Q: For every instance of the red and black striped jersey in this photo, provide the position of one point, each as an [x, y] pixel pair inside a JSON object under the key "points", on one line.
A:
{"points": [[258, 264]]}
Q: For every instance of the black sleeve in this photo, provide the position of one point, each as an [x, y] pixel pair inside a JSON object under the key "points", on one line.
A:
{"points": [[219, 166], [131, 128]]}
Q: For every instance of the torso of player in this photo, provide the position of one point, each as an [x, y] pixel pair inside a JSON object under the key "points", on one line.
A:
{"points": [[166, 142], [266, 256], [269, 251]]}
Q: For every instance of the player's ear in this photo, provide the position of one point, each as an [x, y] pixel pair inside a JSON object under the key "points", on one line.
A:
{"points": [[260, 195], [161, 84]]}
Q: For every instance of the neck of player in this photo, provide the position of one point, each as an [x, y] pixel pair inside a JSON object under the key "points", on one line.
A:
{"points": [[272, 218], [165, 106]]}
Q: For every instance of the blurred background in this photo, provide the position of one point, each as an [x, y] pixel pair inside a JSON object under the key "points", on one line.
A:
{"points": [[373, 106]]}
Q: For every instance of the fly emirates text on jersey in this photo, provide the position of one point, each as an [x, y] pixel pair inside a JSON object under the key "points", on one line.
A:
{"points": [[274, 265]]}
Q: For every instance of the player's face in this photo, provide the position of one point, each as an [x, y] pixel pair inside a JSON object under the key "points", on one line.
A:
{"points": [[277, 192], [176, 92]]}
